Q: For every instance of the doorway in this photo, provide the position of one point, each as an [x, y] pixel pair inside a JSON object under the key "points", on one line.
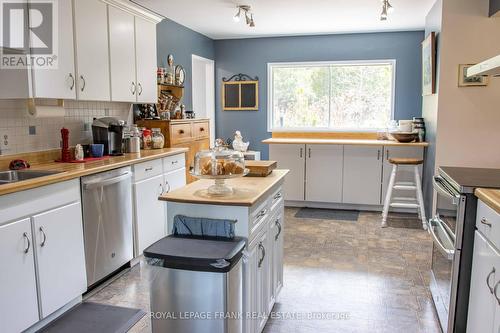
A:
{"points": [[203, 81]]}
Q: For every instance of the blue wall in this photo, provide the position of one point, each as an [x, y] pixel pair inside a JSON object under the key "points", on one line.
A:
{"points": [[250, 56], [494, 6], [182, 42]]}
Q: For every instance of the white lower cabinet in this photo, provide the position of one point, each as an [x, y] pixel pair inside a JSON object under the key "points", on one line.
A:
{"points": [[362, 175], [485, 274], [60, 256], [149, 213], [323, 180], [277, 240], [18, 301], [174, 179], [291, 156]]}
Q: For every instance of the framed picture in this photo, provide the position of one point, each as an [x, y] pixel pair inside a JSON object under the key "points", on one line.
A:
{"points": [[240, 93], [429, 65], [473, 81]]}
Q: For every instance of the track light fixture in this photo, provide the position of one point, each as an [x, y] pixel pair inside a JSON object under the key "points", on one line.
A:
{"points": [[245, 10], [387, 9]]}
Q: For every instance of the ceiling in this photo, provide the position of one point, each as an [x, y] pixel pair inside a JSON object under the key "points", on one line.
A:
{"points": [[213, 18]]}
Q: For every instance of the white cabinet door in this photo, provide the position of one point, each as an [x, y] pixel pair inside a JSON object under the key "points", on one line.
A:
{"points": [[264, 301], [405, 174], [145, 46], [18, 300], [324, 173], [59, 82], [251, 294], [292, 157], [60, 256], [150, 218], [174, 179], [92, 50], [277, 237], [482, 303], [362, 175], [122, 55]]}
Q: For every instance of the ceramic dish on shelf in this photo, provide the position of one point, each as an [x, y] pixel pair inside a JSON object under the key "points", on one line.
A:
{"points": [[219, 164], [404, 136]]}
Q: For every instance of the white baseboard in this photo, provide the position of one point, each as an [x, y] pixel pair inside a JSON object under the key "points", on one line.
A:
{"points": [[328, 205]]}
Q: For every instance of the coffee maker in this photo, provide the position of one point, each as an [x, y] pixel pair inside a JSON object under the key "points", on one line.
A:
{"points": [[109, 132]]}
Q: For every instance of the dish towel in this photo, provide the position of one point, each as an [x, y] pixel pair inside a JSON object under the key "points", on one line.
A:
{"points": [[203, 227]]}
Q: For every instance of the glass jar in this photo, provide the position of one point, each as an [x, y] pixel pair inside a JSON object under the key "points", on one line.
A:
{"points": [[147, 139], [157, 138]]}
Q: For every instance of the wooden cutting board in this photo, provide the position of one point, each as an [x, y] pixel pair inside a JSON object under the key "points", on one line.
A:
{"points": [[260, 168]]}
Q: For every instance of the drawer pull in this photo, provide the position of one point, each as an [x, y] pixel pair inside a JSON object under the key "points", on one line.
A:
{"points": [[277, 196], [161, 190], [262, 213], [495, 292], [175, 162], [167, 186], [278, 224], [148, 169], [181, 131], [202, 129], [42, 244], [485, 222], [488, 280], [25, 235], [263, 251]]}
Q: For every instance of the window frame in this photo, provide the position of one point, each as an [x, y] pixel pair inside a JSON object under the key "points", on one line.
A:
{"points": [[302, 64]]}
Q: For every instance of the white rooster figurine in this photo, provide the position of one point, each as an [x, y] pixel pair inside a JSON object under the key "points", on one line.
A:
{"points": [[238, 143]]}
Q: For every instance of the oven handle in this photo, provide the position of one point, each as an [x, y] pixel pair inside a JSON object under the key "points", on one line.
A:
{"points": [[437, 183], [444, 251]]}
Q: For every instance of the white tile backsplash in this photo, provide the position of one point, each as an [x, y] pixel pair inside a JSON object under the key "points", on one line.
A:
{"points": [[15, 122]]}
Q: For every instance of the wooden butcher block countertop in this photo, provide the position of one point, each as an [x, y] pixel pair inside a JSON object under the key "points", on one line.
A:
{"points": [[75, 170], [247, 191], [490, 197], [361, 142]]}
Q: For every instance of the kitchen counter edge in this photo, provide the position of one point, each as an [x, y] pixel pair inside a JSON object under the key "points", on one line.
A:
{"points": [[489, 196], [361, 142]]}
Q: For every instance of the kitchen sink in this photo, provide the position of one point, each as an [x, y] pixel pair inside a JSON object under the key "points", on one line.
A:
{"points": [[13, 176]]}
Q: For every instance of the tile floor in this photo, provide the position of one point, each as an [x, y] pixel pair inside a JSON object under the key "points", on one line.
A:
{"points": [[376, 279]]}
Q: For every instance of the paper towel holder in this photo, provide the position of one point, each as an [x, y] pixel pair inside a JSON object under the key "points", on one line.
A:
{"points": [[32, 105]]}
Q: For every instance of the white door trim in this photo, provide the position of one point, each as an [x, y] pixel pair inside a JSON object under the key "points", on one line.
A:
{"points": [[210, 91]]}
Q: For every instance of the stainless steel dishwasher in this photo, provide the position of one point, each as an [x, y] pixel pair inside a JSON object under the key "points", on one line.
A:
{"points": [[107, 222]]}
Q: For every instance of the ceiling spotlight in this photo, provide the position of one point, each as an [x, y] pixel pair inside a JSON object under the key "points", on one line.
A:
{"points": [[386, 9], [246, 10]]}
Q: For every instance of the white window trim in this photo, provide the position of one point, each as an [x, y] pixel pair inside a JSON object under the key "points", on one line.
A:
{"points": [[271, 65]]}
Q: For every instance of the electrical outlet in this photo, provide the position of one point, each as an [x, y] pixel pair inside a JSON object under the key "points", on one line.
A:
{"points": [[106, 112], [4, 143], [32, 130]]}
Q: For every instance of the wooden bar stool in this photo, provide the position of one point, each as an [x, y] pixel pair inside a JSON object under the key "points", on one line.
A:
{"points": [[417, 202]]}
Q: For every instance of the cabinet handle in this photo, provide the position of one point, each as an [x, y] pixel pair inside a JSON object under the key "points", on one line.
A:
{"points": [[72, 81], [25, 235], [175, 162], [378, 155], [488, 279], [84, 83], [277, 196], [263, 251], [168, 186], [201, 129], [139, 90], [132, 88], [42, 244], [495, 292], [181, 131], [387, 155], [161, 190], [262, 213], [309, 152], [278, 224], [149, 169], [485, 222], [300, 154]]}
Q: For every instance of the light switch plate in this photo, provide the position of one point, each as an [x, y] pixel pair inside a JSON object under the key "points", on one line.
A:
{"points": [[32, 130]]}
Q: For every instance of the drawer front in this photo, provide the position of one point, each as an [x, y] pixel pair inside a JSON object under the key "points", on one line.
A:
{"points": [[276, 200], [258, 217], [201, 130], [488, 223], [181, 133], [175, 162], [147, 169]]}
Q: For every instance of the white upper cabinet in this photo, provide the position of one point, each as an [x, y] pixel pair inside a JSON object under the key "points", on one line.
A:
{"points": [[291, 156], [59, 82], [145, 46], [92, 55], [60, 256], [324, 173], [18, 301], [362, 175], [122, 55]]}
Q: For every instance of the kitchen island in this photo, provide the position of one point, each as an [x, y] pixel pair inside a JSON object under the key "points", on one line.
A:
{"points": [[258, 207]]}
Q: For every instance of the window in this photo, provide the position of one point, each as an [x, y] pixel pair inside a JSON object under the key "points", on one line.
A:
{"points": [[336, 96]]}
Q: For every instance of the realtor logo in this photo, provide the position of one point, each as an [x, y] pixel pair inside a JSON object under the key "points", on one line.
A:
{"points": [[29, 34]]}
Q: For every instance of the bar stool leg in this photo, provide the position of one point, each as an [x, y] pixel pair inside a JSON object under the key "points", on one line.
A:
{"points": [[420, 198], [388, 195]]}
